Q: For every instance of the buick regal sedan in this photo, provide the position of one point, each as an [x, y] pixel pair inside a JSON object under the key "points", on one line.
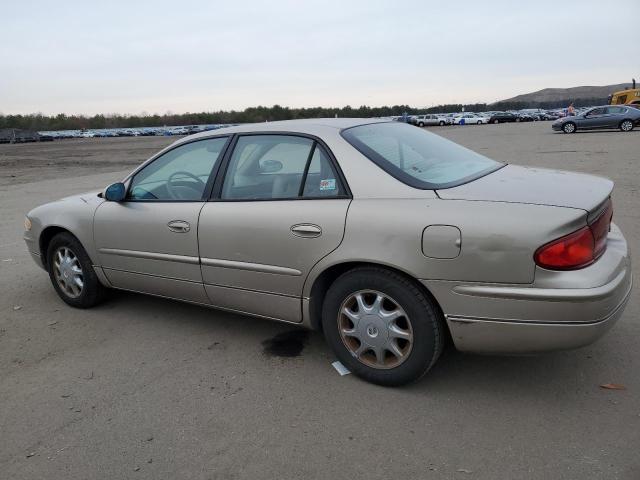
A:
{"points": [[623, 117], [386, 238]]}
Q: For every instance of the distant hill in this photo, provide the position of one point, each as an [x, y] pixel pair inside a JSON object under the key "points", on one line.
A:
{"points": [[548, 95]]}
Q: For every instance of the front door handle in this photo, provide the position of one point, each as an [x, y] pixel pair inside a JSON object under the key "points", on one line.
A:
{"points": [[179, 226], [306, 230]]}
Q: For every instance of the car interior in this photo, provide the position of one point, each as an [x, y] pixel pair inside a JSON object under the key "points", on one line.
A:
{"points": [[261, 167], [273, 167]]}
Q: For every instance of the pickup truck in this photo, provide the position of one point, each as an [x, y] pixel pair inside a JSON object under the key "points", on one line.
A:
{"points": [[429, 120]]}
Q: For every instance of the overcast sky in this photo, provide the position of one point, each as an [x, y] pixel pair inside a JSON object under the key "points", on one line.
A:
{"points": [[132, 57]]}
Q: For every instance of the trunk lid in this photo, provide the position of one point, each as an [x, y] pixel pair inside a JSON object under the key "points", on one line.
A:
{"points": [[537, 186]]}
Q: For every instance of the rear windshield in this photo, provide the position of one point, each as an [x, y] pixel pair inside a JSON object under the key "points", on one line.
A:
{"points": [[418, 158]]}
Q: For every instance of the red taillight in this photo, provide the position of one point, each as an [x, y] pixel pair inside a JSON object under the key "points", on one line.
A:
{"points": [[578, 249], [600, 228]]}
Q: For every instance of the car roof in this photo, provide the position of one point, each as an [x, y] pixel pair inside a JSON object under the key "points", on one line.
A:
{"points": [[311, 126]]}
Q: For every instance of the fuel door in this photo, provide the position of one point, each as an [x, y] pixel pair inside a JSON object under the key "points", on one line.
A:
{"points": [[441, 241]]}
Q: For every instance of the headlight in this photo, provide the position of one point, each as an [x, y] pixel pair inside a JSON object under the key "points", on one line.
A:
{"points": [[27, 224]]}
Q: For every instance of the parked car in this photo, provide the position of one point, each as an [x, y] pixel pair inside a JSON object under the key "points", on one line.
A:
{"points": [[469, 119], [525, 117], [623, 117], [385, 237], [429, 120], [548, 116], [503, 117]]}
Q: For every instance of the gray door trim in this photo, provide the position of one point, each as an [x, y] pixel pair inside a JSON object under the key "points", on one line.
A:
{"points": [[253, 267], [167, 257]]}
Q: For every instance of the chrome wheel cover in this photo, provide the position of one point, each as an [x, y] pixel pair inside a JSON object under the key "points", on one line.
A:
{"points": [[375, 329], [569, 128], [68, 272], [627, 125]]}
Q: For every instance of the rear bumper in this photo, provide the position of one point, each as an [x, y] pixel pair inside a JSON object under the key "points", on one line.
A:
{"points": [[560, 310], [515, 337]]}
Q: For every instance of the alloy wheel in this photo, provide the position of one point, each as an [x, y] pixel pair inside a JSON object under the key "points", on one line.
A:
{"points": [[626, 126], [375, 329], [68, 272]]}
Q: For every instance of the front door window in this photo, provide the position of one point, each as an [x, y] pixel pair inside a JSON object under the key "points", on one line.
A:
{"points": [[180, 174]]}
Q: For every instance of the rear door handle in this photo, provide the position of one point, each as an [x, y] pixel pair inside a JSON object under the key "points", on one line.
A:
{"points": [[306, 230], [179, 226]]}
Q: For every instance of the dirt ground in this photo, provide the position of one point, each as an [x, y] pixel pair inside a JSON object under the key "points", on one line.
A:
{"points": [[146, 388], [32, 162]]}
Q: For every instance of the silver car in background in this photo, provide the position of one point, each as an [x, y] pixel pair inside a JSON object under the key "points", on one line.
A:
{"points": [[385, 237], [620, 116]]}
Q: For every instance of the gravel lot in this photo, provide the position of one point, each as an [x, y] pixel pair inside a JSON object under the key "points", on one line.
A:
{"points": [[147, 388]]}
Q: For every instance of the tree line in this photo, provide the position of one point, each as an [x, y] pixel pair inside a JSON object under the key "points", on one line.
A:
{"points": [[258, 114]]}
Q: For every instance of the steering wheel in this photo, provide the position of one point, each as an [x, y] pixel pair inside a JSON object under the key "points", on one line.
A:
{"points": [[176, 191]]}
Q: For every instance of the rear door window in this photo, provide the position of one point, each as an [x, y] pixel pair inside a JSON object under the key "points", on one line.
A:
{"points": [[275, 167], [616, 110]]}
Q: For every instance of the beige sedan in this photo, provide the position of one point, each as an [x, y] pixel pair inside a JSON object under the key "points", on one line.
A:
{"points": [[387, 238]]}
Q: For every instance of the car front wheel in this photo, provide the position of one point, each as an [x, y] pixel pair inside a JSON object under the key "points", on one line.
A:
{"points": [[569, 127], [441, 123], [626, 125], [71, 272], [382, 326], [496, 122]]}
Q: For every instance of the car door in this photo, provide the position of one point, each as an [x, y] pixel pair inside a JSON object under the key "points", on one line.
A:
{"points": [[279, 208], [595, 118], [149, 241], [614, 115]]}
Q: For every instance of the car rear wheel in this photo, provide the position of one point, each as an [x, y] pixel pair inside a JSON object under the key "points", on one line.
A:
{"points": [[381, 326], [626, 125], [569, 127], [71, 272], [441, 123], [479, 122], [421, 124], [496, 122]]}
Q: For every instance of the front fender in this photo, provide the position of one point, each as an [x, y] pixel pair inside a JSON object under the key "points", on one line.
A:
{"points": [[74, 214]]}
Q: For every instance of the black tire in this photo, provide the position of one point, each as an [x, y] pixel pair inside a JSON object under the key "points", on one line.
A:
{"points": [[441, 123], [92, 292], [626, 125], [421, 124], [425, 317], [479, 122], [495, 122], [569, 127], [518, 120]]}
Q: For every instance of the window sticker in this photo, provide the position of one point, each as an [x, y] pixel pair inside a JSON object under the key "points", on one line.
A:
{"points": [[328, 184]]}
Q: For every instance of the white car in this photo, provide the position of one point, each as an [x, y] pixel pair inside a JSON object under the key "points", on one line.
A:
{"points": [[469, 119]]}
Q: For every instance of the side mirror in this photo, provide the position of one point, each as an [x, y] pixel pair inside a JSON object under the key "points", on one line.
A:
{"points": [[115, 192]]}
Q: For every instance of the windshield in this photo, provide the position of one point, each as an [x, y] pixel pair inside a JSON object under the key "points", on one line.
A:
{"points": [[418, 158]]}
